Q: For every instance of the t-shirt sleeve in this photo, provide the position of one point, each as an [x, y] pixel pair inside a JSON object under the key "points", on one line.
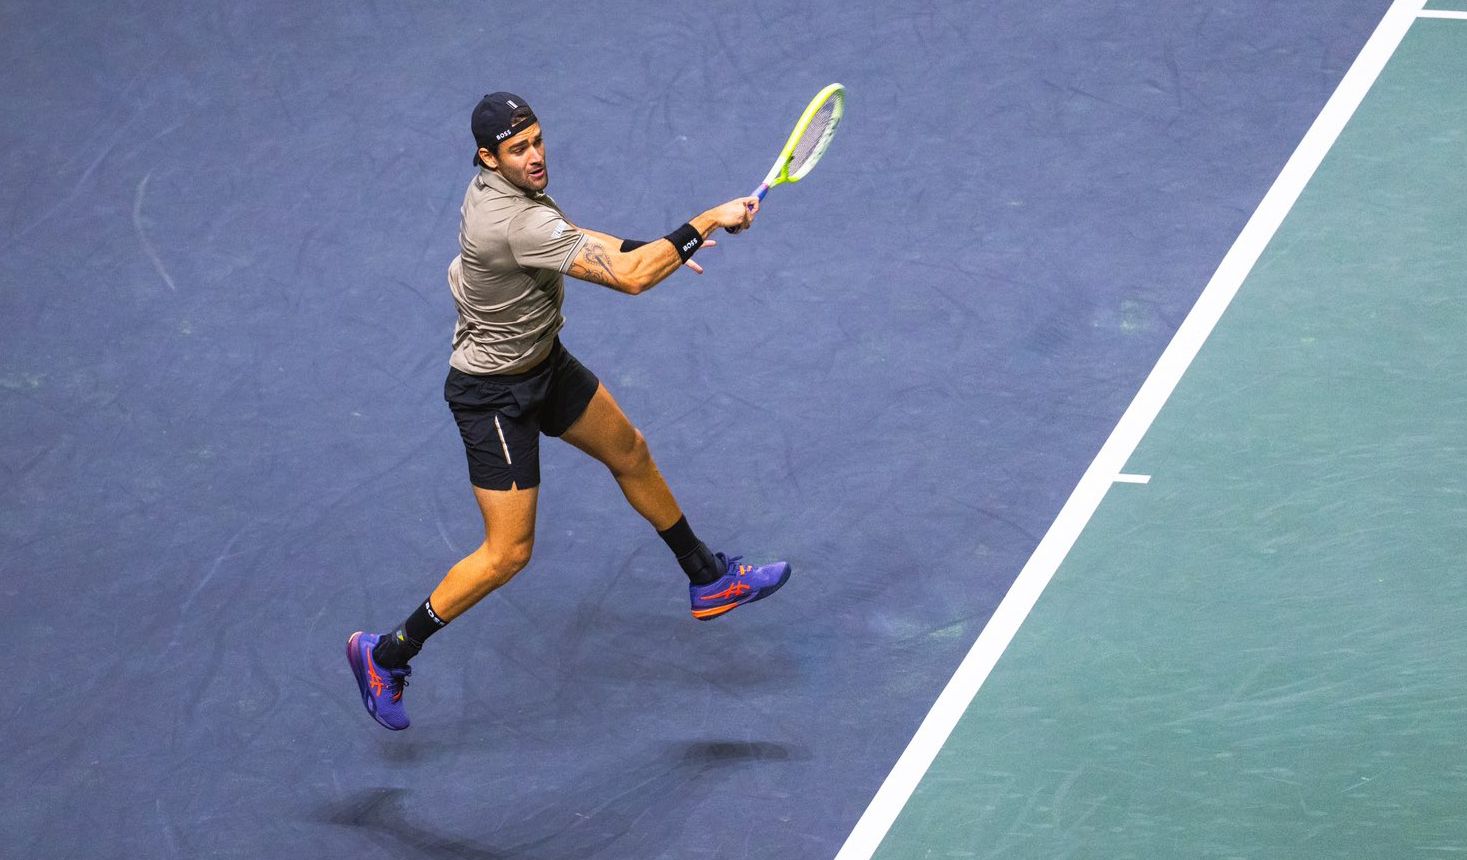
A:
{"points": [[541, 238]]}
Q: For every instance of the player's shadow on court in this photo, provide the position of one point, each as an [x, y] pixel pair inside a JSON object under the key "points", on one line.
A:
{"points": [[380, 810], [713, 753], [594, 812]]}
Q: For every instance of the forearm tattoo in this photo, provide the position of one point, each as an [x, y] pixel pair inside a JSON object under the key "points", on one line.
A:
{"points": [[595, 264]]}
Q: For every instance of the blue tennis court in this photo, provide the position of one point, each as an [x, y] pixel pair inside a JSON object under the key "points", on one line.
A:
{"points": [[223, 447]]}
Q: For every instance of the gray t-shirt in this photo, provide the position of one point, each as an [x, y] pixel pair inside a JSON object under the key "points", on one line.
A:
{"points": [[507, 279]]}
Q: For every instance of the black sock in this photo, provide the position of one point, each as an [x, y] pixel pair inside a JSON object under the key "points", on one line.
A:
{"points": [[692, 554], [395, 649], [424, 622]]}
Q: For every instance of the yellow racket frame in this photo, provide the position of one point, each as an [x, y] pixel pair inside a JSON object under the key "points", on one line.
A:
{"points": [[779, 174]]}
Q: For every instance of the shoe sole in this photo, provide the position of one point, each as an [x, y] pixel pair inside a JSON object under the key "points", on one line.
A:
{"points": [[353, 656], [714, 611]]}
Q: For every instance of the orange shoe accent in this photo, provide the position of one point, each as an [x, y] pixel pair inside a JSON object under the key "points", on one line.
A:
{"points": [[374, 680], [737, 589], [714, 612]]}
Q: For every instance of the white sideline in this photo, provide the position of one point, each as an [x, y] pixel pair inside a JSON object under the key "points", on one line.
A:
{"points": [[955, 698]]}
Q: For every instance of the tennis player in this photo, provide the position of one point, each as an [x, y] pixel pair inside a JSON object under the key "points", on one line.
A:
{"points": [[510, 380]]}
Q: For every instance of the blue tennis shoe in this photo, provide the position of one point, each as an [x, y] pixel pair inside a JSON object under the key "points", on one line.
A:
{"points": [[740, 584], [381, 687]]}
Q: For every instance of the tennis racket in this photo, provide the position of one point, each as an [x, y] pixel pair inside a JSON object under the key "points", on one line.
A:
{"points": [[808, 142]]}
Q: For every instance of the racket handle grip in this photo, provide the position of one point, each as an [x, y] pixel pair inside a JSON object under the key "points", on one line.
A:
{"points": [[759, 192]]}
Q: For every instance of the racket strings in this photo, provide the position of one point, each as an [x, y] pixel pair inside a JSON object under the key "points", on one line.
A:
{"points": [[809, 147]]}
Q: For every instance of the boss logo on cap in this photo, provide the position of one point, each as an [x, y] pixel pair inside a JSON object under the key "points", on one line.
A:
{"points": [[503, 134]]}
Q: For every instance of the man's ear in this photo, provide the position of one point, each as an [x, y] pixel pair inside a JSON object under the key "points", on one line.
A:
{"points": [[488, 158]]}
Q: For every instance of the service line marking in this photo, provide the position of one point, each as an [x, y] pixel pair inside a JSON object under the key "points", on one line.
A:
{"points": [[1123, 478]]}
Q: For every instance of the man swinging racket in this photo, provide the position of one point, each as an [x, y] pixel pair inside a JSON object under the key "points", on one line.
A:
{"points": [[510, 380]]}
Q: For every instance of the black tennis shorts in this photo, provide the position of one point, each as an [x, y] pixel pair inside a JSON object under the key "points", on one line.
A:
{"points": [[501, 416]]}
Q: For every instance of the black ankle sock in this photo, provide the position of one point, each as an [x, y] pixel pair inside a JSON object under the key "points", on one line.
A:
{"points": [[395, 649], [692, 554], [424, 622]]}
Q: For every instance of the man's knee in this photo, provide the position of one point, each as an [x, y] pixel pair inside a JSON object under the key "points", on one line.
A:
{"points": [[510, 558], [633, 457]]}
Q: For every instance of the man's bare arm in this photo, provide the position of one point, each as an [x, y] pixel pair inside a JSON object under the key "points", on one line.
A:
{"points": [[600, 259]]}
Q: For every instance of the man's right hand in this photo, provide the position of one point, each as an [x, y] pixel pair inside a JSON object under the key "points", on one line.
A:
{"points": [[735, 215]]}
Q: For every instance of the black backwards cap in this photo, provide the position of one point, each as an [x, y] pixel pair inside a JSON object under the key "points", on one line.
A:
{"points": [[497, 118]]}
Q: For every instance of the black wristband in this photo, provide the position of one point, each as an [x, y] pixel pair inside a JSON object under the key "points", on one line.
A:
{"points": [[631, 245], [686, 239]]}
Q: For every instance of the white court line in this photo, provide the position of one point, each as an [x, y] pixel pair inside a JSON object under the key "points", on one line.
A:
{"points": [[955, 698], [1123, 478], [1441, 13]]}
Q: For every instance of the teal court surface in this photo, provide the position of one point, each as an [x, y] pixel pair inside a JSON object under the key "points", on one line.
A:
{"points": [[1256, 645]]}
